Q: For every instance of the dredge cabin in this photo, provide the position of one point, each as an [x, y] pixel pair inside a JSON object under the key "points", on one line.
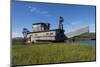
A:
{"points": [[42, 33]]}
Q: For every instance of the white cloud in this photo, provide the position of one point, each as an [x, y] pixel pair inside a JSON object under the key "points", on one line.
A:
{"points": [[75, 22], [33, 9], [36, 10]]}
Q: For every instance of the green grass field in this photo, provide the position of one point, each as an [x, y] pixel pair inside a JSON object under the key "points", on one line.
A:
{"points": [[52, 53]]}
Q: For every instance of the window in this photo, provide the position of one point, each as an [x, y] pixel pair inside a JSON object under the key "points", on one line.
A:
{"points": [[47, 33], [51, 33], [35, 34]]}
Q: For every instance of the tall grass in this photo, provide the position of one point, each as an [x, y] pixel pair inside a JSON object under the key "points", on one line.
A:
{"points": [[52, 53]]}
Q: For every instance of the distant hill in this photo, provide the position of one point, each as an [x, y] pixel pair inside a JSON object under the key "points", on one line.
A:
{"points": [[89, 35], [17, 40]]}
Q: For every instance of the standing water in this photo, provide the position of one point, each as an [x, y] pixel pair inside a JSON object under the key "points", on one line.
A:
{"points": [[89, 42]]}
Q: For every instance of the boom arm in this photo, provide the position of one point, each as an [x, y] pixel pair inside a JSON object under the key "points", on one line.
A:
{"points": [[77, 32]]}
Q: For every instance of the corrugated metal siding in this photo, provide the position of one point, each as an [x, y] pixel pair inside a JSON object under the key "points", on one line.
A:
{"points": [[42, 36]]}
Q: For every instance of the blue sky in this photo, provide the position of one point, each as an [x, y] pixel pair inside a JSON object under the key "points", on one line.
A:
{"points": [[75, 16]]}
